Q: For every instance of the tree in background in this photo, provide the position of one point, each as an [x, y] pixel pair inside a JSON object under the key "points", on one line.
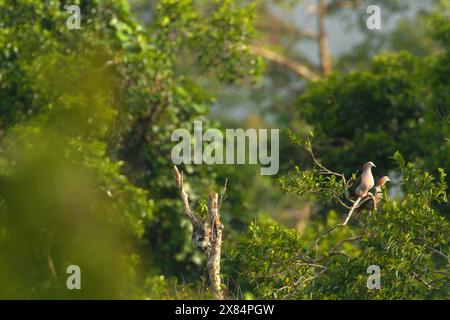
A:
{"points": [[407, 240], [399, 103], [86, 118], [85, 171]]}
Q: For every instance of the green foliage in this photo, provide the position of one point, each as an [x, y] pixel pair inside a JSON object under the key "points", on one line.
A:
{"points": [[230, 25], [407, 239], [65, 203], [399, 103], [387, 101], [159, 287], [88, 116]]}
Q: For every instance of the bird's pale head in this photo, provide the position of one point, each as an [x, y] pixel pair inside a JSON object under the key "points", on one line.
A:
{"points": [[382, 181], [368, 165]]}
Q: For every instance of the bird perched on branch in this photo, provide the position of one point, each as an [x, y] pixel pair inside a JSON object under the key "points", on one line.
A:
{"points": [[363, 188], [367, 181], [378, 190], [372, 205]]}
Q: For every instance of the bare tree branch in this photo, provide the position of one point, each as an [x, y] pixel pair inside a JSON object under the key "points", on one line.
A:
{"points": [[223, 193], [300, 69], [276, 25], [358, 203], [333, 248], [206, 235], [185, 198], [421, 280], [51, 265], [345, 182]]}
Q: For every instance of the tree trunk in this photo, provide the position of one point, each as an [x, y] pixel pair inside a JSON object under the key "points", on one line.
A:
{"points": [[325, 60], [206, 235], [216, 245]]}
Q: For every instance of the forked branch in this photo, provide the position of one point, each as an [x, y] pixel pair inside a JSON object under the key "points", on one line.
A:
{"points": [[206, 235]]}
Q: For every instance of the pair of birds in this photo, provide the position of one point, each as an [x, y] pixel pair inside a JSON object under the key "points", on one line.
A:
{"points": [[367, 183]]}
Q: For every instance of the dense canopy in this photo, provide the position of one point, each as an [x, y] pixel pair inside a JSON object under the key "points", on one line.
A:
{"points": [[86, 118]]}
